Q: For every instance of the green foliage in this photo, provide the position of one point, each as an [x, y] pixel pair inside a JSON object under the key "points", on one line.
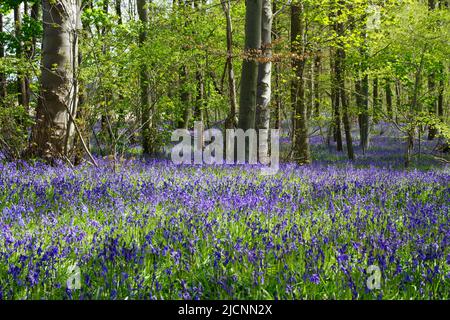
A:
{"points": [[14, 122]]}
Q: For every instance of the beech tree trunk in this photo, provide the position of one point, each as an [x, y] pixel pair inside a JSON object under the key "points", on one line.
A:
{"points": [[146, 114], [317, 70], [339, 65], [336, 127], [2, 75], [264, 87], [389, 104], [21, 81], [249, 78], [57, 105], [301, 153], [231, 120]]}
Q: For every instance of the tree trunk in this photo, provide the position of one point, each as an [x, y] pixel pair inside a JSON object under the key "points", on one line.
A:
{"points": [[389, 105], [264, 90], [432, 132], [231, 120], [301, 152], [339, 65], [376, 100], [57, 104], [433, 108], [398, 98], [118, 8], [441, 99], [264, 86], [249, 78], [146, 114], [412, 110], [2, 75], [21, 78], [363, 106], [200, 98], [317, 70], [185, 97], [335, 104]]}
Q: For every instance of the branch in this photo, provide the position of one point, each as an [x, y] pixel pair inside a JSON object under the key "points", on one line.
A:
{"points": [[288, 3]]}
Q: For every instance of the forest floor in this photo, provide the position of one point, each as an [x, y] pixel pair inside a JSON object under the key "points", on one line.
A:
{"points": [[153, 230]]}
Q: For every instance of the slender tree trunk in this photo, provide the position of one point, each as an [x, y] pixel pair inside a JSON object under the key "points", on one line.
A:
{"points": [[264, 86], [339, 65], [376, 100], [118, 7], [2, 75], [35, 15], [249, 78], [310, 83], [398, 99], [200, 98], [105, 117], [264, 90], [432, 132], [317, 70], [413, 109], [183, 78], [440, 106], [21, 82], [185, 97], [231, 120], [52, 134], [335, 104], [277, 96], [301, 152], [389, 104], [433, 108], [146, 116]]}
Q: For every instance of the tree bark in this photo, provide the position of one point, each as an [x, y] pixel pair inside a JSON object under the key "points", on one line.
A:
{"points": [[146, 114], [389, 104], [231, 120], [435, 94], [317, 70], [2, 75], [277, 95], [264, 87], [339, 65], [376, 100], [22, 90], [118, 8], [301, 152], [363, 117], [432, 132], [336, 127], [345, 116], [249, 78], [53, 134]]}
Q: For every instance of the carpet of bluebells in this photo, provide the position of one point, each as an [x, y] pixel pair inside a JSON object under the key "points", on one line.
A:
{"points": [[153, 230]]}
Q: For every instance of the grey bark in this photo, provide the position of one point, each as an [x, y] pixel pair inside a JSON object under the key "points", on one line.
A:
{"points": [[337, 132], [389, 104], [316, 71], [2, 75], [249, 77], [231, 120], [301, 152], [277, 95], [57, 104], [21, 81], [339, 65], [146, 113], [264, 86]]}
